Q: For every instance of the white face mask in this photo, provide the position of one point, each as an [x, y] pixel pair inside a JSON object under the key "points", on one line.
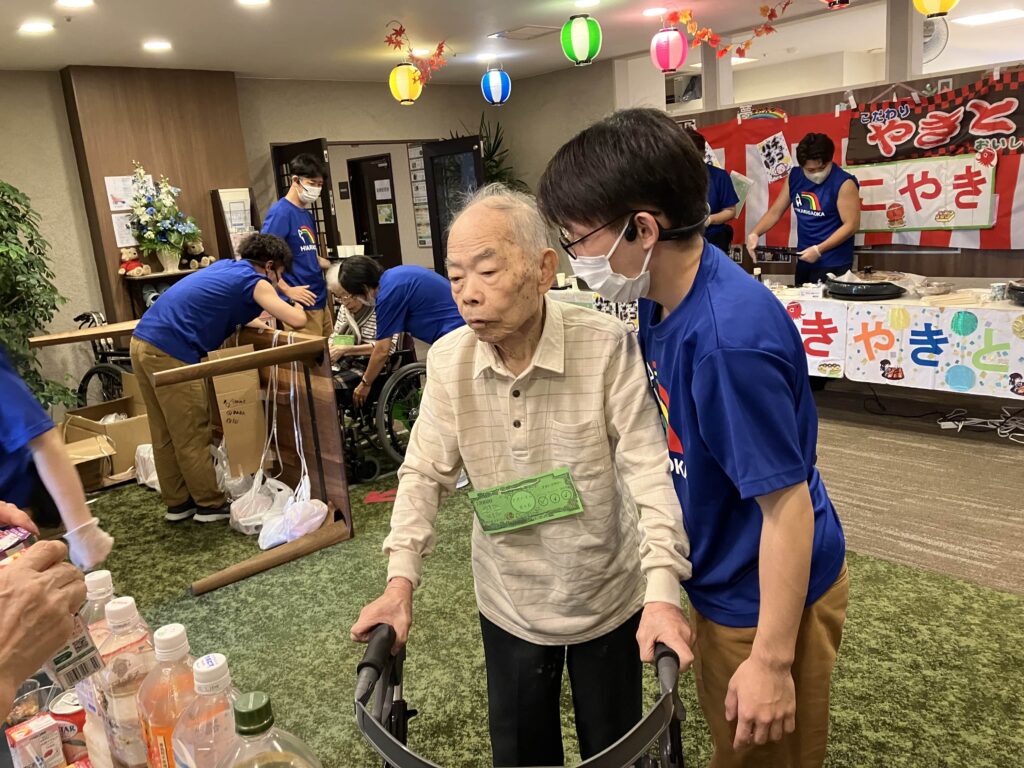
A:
{"points": [[819, 177], [309, 194], [598, 272]]}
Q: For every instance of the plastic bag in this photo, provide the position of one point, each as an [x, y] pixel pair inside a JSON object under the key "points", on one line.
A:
{"points": [[145, 467], [233, 487]]}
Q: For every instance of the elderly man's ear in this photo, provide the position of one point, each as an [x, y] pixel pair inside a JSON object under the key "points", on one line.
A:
{"points": [[548, 268]]}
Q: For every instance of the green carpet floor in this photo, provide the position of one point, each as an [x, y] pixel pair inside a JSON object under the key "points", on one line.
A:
{"points": [[931, 672]]}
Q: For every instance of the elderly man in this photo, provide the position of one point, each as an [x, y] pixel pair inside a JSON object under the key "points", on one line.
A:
{"points": [[542, 400]]}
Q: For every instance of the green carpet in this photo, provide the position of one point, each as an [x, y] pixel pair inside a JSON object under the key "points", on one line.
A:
{"points": [[931, 671]]}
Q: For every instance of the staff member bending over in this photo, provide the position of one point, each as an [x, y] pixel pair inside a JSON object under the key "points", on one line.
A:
{"points": [[194, 317]]}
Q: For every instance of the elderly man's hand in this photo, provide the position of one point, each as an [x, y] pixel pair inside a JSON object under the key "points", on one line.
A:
{"points": [[394, 607], [39, 595], [665, 623], [11, 515], [360, 395]]}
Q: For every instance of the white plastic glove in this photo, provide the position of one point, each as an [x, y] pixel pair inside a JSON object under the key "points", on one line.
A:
{"points": [[810, 255], [89, 545]]}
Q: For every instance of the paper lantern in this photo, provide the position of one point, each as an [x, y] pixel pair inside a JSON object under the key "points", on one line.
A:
{"points": [[836, 5], [964, 323], [405, 83], [668, 49], [496, 86], [899, 319], [581, 39], [935, 8]]}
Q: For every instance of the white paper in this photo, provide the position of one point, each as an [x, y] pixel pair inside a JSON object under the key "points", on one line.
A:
{"points": [[419, 192], [382, 189], [418, 175], [119, 191], [416, 151], [416, 164], [123, 230]]}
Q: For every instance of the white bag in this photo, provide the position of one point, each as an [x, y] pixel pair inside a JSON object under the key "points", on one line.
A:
{"points": [[145, 467], [233, 487]]}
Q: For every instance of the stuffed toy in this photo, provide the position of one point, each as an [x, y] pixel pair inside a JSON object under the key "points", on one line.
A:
{"points": [[196, 254], [131, 265]]}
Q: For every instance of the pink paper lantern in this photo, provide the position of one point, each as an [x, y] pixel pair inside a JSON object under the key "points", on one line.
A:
{"points": [[668, 49]]}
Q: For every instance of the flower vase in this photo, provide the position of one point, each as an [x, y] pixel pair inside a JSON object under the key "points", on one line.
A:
{"points": [[168, 258]]}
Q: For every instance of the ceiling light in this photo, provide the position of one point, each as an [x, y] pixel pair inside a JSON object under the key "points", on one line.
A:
{"points": [[587, 3], [421, 52], [655, 11], [980, 19], [74, 3], [486, 57], [157, 45], [254, 3], [736, 61], [36, 28]]}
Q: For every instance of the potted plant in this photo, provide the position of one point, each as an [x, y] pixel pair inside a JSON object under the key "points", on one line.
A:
{"points": [[495, 155], [159, 227], [28, 297]]}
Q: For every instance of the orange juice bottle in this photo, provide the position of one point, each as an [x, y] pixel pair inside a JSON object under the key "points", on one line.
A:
{"points": [[165, 694]]}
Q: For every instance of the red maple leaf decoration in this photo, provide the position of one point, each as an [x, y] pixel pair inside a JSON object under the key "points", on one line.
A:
{"points": [[398, 39], [673, 18], [707, 35]]}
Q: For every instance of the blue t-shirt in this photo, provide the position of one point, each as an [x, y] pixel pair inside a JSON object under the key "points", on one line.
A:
{"points": [[200, 311], [22, 419], [816, 207], [721, 195], [729, 371], [297, 227], [416, 300]]}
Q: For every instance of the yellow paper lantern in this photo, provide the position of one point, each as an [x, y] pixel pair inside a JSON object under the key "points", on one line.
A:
{"points": [[899, 319], [935, 8], [405, 83]]}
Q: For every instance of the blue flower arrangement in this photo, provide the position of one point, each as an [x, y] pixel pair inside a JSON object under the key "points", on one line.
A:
{"points": [[156, 221]]}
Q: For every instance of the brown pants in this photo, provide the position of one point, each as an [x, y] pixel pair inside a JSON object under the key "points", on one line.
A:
{"points": [[720, 650], [318, 323], [179, 422]]}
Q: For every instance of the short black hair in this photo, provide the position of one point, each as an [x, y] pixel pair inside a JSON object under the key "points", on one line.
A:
{"points": [[635, 159], [307, 166], [359, 273], [259, 249], [698, 139], [815, 146]]}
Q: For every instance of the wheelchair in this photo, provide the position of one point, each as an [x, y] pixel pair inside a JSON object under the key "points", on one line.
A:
{"points": [[384, 423], [102, 382]]}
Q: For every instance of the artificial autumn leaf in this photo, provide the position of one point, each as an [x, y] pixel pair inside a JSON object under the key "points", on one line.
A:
{"points": [[685, 15], [722, 53], [768, 29], [673, 18], [397, 38], [691, 27], [714, 40], [741, 51], [765, 10], [772, 15]]}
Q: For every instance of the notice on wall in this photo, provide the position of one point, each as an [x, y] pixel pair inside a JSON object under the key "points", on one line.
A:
{"points": [[385, 214], [419, 192], [776, 157], [119, 191], [415, 150], [422, 215], [382, 189], [123, 230], [416, 164]]}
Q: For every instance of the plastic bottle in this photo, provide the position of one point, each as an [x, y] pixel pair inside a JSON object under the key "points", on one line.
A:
{"points": [[259, 744], [165, 694], [99, 591], [128, 657], [757, 274], [206, 730]]}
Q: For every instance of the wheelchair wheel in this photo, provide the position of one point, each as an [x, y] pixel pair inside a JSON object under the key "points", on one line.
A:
{"points": [[398, 408], [100, 383]]}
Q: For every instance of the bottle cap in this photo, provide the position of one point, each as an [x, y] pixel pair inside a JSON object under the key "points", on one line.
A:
{"points": [[98, 584], [211, 674], [170, 642], [121, 611], [253, 713]]}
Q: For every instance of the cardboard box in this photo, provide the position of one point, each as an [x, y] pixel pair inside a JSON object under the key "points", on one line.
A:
{"points": [[241, 414], [130, 388], [36, 743], [126, 435], [93, 458]]}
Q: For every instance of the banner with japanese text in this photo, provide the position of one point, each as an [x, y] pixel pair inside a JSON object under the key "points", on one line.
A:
{"points": [[822, 326], [985, 114], [936, 193]]}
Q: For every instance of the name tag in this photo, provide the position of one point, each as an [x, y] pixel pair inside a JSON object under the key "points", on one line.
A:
{"points": [[530, 501]]}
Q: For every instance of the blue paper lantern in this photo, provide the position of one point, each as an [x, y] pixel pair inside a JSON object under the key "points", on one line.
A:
{"points": [[496, 86]]}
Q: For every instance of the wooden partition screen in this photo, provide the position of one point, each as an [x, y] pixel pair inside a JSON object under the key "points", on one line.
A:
{"points": [[181, 124]]}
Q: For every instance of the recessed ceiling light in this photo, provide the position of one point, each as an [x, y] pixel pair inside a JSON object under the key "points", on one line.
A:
{"points": [[980, 19], [254, 2], [157, 45], [587, 3], [36, 27], [74, 3], [421, 51], [655, 11]]}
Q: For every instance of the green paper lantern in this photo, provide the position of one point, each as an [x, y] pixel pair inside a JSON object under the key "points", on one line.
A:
{"points": [[964, 323], [581, 39]]}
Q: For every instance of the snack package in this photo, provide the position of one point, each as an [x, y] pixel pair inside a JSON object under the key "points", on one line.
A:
{"points": [[36, 743], [14, 540]]}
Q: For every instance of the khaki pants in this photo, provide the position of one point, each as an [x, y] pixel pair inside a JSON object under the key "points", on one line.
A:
{"points": [[318, 323], [179, 422], [720, 650]]}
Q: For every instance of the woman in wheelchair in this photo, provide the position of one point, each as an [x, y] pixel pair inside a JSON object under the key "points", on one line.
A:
{"points": [[355, 332]]}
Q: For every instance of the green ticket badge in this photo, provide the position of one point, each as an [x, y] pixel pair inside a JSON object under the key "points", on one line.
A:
{"points": [[530, 501]]}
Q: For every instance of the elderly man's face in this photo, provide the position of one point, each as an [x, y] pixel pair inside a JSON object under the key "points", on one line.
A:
{"points": [[496, 285]]}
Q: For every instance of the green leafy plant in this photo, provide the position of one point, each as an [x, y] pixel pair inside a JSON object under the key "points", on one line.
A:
{"points": [[28, 297], [497, 167]]}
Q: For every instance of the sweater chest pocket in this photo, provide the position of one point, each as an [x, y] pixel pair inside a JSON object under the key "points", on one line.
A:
{"points": [[583, 448]]}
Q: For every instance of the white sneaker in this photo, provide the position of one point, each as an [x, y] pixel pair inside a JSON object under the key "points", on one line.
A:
{"points": [[463, 480]]}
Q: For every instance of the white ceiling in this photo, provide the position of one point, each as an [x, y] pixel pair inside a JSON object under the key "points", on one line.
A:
{"points": [[333, 39]]}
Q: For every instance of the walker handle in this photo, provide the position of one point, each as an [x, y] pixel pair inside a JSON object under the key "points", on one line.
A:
{"points": [[667, 665]]}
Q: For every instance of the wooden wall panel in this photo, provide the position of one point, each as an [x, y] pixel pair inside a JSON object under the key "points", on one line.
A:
{"points": [[182, 124]]}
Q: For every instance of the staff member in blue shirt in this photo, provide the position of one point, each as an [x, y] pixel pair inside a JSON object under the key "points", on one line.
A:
{"points": [[36, 473], [769, 588], [826, 203], [290, 219], [408, 299], [192, 318], [722, 199]]}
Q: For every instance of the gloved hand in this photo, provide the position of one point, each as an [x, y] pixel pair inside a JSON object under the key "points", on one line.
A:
{"points": [[752, 241], [89, 545], [810, 255]]}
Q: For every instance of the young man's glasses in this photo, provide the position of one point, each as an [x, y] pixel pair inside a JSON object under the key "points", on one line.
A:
{"points": [[568, 245]]}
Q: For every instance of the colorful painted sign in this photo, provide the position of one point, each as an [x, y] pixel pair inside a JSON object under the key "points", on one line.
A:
{"points": [[822, 326]]}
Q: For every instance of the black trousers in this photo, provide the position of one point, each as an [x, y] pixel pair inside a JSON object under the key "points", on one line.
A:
{"points": [[722, 239], [524, 686]]}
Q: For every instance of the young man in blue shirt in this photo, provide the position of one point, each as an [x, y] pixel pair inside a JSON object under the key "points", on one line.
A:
{"points": [[722, 199], [769, 590], [826, 204], [290, 219], [194, 317], [408, 299]]}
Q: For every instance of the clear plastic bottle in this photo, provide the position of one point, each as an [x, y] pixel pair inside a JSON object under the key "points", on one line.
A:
{"points": [[99, 591], [259, 744], [206, 730], [166, 693], [127, 657]]}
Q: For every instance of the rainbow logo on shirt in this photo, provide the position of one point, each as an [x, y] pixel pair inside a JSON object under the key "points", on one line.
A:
{"points": [[807, 200], [306, 235], [675, 445]]}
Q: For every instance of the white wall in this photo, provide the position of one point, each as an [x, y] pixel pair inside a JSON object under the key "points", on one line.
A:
{"points": [[756, 84], [638, 83]]}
